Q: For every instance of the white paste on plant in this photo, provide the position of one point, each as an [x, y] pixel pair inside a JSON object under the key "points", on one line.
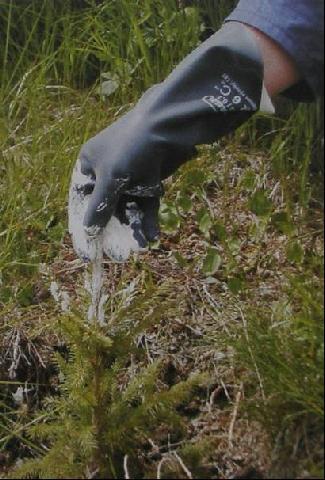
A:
{"points": [[96, 311], [55, 291], [65, 301], [18, 396], [61, 296], [117, 239]]}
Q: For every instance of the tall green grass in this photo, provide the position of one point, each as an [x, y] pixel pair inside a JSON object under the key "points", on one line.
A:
{"points": [[215, 11], [282, 348], [48, 49], [138, 41], [293, 139]]}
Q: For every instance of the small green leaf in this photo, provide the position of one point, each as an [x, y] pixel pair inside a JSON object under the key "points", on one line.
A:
{"points": [[109, 84], [236, 284], [248, 180], [107, 88], [212, 262], [190, 12], [184, 202], [234, 246], [195, 177], [204, 220], [219, 231], [260, 204], [295, 252], [169, 218], [283, 223]]}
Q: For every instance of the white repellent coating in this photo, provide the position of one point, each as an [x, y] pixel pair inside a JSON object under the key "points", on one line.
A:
{"points": [[116, 240]]}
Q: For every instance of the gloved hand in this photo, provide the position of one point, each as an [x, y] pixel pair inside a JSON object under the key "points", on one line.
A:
{"points": [[213, 91]]}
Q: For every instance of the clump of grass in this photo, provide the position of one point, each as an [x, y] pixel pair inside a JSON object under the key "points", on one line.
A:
{"points": [[294, 140], [282, 349], [138, 42], [295, 149]]}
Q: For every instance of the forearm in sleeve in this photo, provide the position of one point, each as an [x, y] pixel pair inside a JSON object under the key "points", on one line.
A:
{"points": [[297, 26]]}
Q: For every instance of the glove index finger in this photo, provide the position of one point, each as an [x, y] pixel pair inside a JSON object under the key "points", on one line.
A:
{"points": [[102, 203]]}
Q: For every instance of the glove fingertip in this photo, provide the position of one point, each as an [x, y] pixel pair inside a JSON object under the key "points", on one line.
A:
{"points": [[103, 202], [97, 216], [151, 231], [150, 221], [99, 211]]}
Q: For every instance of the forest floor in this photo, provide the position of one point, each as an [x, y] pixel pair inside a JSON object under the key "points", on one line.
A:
{"points": [[204, 309]]}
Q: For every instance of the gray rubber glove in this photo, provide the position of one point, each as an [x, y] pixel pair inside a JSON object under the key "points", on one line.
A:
{"points": [[209, 94]]}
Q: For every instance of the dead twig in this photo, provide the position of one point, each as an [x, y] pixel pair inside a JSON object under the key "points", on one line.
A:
{"points": [[182, 464], [234, 417], [160, 465], [125, 466]]}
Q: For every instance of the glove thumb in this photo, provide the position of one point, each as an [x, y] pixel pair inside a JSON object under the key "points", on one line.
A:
{"points": [[102, 203]]}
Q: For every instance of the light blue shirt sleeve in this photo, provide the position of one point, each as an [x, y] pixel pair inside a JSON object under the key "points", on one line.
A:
{"points": [[298, 26]]}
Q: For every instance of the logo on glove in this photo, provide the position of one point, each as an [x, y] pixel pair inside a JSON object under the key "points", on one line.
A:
{"points": [[230, 97]]}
